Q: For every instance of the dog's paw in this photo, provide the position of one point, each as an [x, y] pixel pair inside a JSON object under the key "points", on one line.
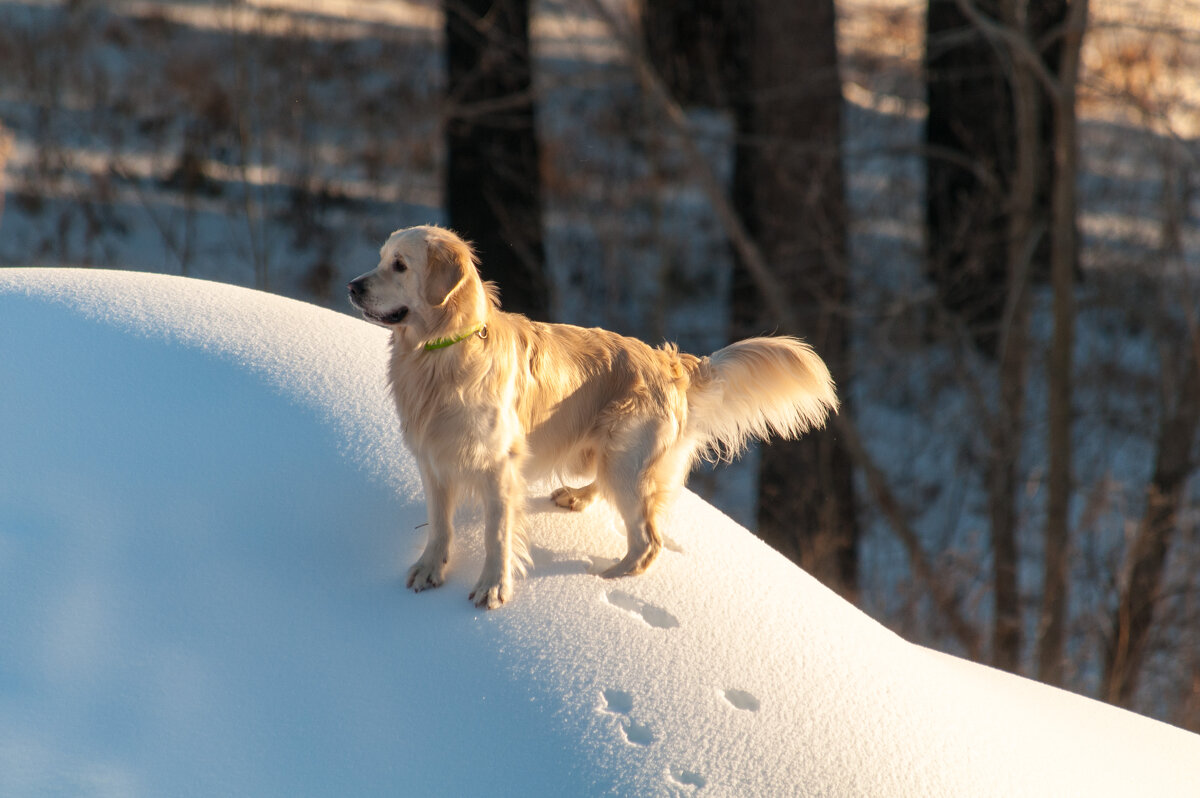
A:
{"points": [[491, 596], [634, 563], [426, 574], [574, 499], [622, 568]]}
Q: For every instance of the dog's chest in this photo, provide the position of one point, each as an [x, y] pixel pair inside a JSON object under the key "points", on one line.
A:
{"points": [[446, 409]]}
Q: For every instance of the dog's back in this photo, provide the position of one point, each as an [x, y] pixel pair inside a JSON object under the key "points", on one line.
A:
{"points": [[579, 388]]}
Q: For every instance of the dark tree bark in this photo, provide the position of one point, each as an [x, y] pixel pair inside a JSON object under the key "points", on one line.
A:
{"points": [[1142, 587], [970, 137], [991, 163], [788, 183], [689, 44], [1064, 246], [493, 187]]}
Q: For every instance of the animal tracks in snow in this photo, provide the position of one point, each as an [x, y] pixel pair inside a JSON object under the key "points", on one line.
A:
{"points": [[619, 704], [652, 615], [637, 733], [687, 778], [740, 699]]}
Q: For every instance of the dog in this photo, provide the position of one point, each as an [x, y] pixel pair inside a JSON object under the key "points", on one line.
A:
{"points": [[489, 400]]}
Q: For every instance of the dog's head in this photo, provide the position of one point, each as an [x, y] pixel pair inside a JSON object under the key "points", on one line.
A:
{"points": [[426, 280]]}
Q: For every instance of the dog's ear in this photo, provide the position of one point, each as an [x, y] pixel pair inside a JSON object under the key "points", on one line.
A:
{"points": [[447, 267]]}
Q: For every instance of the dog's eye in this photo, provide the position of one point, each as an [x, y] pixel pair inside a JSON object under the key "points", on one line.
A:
{"points": [[399, 265]]}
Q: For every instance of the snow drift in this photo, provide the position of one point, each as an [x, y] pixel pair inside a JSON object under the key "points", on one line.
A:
{"points": [[205, 514]]}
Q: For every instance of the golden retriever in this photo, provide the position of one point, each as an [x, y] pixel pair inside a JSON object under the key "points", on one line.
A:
{"points": [[489, 399]]}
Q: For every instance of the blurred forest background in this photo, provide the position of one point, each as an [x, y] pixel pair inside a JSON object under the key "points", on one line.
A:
{"points": [[982, 213]]}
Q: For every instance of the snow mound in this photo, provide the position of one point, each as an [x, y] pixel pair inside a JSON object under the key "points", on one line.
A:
{"points": [[205, 514]]}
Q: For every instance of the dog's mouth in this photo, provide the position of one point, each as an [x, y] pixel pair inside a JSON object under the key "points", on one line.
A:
{"points": [[386, 319]]}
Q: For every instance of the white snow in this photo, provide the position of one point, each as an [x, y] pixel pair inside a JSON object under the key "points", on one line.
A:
{"points": [[205, 513]]}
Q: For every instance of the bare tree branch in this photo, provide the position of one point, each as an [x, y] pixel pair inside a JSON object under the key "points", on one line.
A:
{"points": [[1013, 42], [1051, 644], [925, 572]]}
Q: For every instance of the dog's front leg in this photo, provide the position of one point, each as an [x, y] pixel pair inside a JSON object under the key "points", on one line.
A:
{"points": [[430, 569], [502, 493]]}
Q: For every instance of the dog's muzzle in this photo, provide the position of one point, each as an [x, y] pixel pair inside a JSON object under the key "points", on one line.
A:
{"points": [[358, 294]]}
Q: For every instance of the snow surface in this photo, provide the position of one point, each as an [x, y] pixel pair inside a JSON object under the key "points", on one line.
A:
{"points": [[205, 514]]}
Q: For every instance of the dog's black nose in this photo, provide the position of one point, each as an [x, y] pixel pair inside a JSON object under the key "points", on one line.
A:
{"points": [[356, 288]]}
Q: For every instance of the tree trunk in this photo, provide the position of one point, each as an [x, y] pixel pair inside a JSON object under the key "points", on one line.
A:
{"points": [[788, 183], [493, 187], [1011, 338], [689, 43], [988, 211], [971, 157], [1052, 626], [1141, 588]]}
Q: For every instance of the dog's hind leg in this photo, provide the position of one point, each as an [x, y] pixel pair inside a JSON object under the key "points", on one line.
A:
{"points": [[430, 569], [642, 490], [645, 543]]}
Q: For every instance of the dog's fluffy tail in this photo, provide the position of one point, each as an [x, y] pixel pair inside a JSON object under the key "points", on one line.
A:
{"points": [[757, 388]]}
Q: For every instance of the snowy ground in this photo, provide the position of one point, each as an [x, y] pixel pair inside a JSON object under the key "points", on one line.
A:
{"points": [[205, 510], [275, 143]]}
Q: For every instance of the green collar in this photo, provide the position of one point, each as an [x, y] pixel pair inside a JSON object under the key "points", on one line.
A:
{"points": [[479, 329]]}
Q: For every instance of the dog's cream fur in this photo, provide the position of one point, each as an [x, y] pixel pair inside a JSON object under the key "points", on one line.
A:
{"points": [[519, 399]]}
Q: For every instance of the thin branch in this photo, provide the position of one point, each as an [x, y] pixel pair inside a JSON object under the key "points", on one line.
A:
{"points": [[1019, 46], [476, 109], [922, 568]]}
